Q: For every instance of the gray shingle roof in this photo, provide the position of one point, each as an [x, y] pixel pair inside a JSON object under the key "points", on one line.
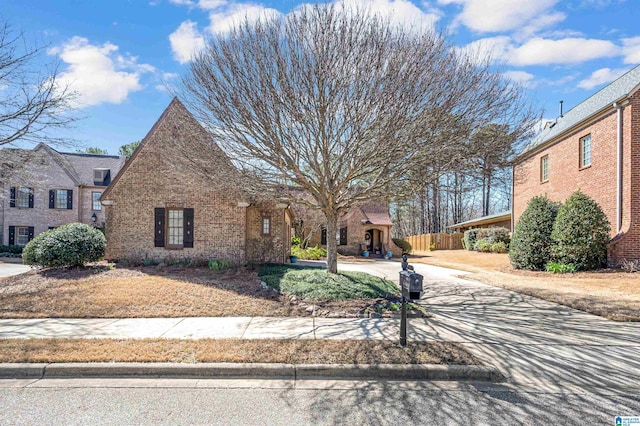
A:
{"points": [[83, 165], [602, 99]]}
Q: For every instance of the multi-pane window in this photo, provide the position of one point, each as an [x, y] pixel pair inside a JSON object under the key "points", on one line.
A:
{"points": [[175, 227], [544, 168], [95, 198], [585, 151], [61, 198], [266, 226], [22, 198], [22, 235]]}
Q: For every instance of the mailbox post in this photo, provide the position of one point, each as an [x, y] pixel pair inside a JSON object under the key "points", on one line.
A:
{"points": [[411, 287]]}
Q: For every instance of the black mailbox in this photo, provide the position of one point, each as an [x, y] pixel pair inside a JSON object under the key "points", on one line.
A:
{"points": [[411, 285]]}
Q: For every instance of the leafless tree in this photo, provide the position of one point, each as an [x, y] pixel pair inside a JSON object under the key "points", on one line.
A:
{"points": [[32, 101], [340, 103], [307, 222]]}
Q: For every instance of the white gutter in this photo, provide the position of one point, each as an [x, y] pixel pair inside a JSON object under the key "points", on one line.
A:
{"points": [[619, 170]]}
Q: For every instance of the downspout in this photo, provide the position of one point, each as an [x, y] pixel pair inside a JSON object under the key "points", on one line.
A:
{"points": [[619, 170]]}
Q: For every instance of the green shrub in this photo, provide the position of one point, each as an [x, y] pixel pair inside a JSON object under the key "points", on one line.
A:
{"points": [[432, 247], [404, 245], [580, 233], [309, 253], [499, 247], [219, 264], [494, 235], [530, 246], [470, 238], [561, 268], [11, 249], [75, 244], [150, 261], [295, 241], [483, 246]]}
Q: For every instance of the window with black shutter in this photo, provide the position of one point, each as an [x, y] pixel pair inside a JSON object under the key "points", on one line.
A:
{"points": [[343, 236], [323, 236], [61, 199]]}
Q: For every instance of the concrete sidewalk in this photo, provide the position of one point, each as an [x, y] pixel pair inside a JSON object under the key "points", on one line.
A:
{"points": [[215, 328]]}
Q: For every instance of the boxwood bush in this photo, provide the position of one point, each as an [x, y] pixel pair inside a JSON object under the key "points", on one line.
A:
{"points": [[74, 244], [470, 238], [580, 234], [531, 242], [404, 245]]}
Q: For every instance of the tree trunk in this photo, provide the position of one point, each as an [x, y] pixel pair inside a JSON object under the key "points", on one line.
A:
{"points": [[332, 247]]}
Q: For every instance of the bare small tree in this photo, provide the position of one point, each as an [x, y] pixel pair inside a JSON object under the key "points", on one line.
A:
{"points": [[31, 99], [340, 103]]}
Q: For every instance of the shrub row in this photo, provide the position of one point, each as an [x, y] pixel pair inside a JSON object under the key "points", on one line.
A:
{"points": [[493, 240], [565, 237], [309, 253]]}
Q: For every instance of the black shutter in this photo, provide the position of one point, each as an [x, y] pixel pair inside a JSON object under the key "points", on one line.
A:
{"points": [[52, 199], [323, 237], [12, 197], [12, 235], [343, 236], [31, 232], [159, 227], [69, 199], [30, 198], [187, 240]]}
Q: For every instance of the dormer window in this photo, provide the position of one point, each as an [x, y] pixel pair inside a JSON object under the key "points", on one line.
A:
{"points": [[101, 177]]}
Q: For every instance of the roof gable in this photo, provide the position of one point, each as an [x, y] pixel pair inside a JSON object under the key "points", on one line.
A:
{"points": [[204, 154]]}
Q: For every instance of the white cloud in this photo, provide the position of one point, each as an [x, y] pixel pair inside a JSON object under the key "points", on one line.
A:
{"points": [[631, 50], [211, 4], [601, 76], [505, 15], [539, 51], [521, 77], [222, 21], [186, 41], [166, 85], [97, 73], [496, 48], [189, 3], [399, 12]]}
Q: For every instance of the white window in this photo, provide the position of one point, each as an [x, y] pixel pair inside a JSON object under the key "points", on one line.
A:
{"points": [[266, 226], [61, 199], [585, 151], [175, 228], [22, 235], [95, 198], [23, 197], [544, 168]]}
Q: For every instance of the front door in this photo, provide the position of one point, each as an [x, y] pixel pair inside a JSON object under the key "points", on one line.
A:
{"points": [[368, 238]]}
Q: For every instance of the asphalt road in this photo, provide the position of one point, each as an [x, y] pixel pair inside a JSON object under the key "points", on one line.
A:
{"points": [[237, 402]]}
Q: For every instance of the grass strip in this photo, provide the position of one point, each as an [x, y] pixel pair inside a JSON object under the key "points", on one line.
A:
{"points": [[232, 350]]}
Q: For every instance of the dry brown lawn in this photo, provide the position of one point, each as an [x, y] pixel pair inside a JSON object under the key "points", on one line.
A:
{"points": [[610, 293], [147, 292], [232, 350]]}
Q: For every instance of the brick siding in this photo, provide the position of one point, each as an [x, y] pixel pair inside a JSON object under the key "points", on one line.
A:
{"points": [[598, 180]]}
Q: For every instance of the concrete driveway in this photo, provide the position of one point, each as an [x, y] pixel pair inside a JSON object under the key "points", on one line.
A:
{"points": [[535, 343], [8, 269]]}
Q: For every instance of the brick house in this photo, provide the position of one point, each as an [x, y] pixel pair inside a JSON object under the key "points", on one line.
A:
{"points": [[594, 147], [364, 227], [180, 196], [42, 188]]}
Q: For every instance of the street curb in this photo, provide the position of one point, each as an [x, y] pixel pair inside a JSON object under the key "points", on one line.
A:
{"points": [[255, 370]]}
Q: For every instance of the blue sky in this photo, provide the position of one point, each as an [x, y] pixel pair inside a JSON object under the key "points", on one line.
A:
{"points": [[119, 55]]}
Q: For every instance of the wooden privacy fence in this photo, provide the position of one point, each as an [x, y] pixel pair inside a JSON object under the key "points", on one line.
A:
{"points": [[441, 241]]}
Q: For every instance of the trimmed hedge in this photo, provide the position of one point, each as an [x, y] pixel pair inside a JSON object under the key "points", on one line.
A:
{"points": [[470, 238], [580, 234], [404, 245], [74, 244], [531, 242]]}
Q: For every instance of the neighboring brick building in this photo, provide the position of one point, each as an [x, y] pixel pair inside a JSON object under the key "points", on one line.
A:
{"points": [[595, 147], [364, 227], [42, 188], [179, 196]]}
